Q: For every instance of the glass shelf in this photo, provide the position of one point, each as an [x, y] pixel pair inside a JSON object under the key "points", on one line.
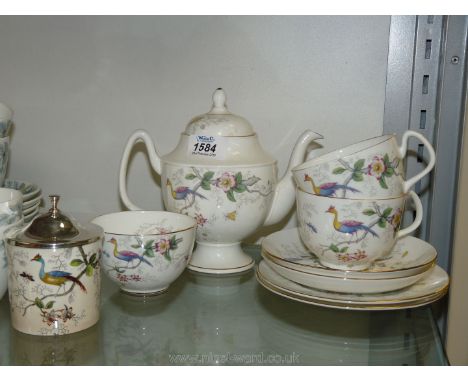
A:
{"points": [[229, 320]]}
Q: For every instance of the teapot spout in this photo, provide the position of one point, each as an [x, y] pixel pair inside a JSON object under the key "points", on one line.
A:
{"points": [[285, 190]]}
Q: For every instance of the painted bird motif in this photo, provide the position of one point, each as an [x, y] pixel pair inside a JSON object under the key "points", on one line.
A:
{"points": [[58, 278], [327, 189], [349, 226], [127, 256], [182, 192]]}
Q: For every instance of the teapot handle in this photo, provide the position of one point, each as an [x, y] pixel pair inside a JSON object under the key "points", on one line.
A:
{"points": [[155, 160]]}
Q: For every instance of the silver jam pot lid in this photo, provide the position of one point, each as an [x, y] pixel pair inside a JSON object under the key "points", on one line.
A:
{"points": [[55, 230]]}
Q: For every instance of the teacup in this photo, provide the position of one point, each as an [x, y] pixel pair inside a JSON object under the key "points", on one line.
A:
{"points": [[4, 229], [350, 234], [145, 251], [11, 206], [4, 157], [6, 115], [11, 216], [370, 169]]}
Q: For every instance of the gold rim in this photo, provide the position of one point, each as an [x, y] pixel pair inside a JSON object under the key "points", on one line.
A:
{"points": [[150, 234], [144, 211], [223, 269], [323, 158], [272, 259], [374, 306], [336, 301], [404, 197], [334, 270]]}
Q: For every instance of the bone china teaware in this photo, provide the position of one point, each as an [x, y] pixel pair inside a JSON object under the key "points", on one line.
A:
{"points": [[145, 251], [343, 285], [370, 169], [54, 274], [351, 234], [10, 217], [221, 176], [427, 290], [410, 256], [6, 115]]}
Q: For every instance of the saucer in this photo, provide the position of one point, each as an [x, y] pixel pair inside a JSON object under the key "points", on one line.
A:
{"points": [[427, 290], [32, 202], [410, 256], [29, 190], [28, 218], [31, 210], [343, 285]]}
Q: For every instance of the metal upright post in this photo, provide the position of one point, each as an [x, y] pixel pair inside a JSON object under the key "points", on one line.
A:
{"points": [[426, 92]]}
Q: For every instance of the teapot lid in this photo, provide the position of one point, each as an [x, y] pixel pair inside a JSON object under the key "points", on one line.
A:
{"points": [[54, 229], [219, 121]]}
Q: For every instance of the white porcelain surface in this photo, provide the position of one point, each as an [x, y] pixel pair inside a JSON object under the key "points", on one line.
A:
{"points": [[231, 191], [4, 157], [32, 202], [10, 206], [3, 273], [29, 190], [428, 289], [145, 251], [11, 216], [31, 210], [4, 228], [343, 285], [350, 234], [6, 116], [29, 218], [371, 169], [40, 307], [224, 216], [409, 256]]}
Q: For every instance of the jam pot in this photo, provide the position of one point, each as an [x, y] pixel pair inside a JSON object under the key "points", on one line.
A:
{"points": [[54, 274]]}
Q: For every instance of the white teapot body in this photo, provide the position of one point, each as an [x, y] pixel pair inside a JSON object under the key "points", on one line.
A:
{"points": [[229, 184]]}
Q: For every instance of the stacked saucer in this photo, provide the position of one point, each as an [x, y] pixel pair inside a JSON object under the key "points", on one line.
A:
{"points": [[407, 277], [32, 197]]}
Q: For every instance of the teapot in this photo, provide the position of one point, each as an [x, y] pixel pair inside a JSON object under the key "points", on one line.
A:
{"points": [[221, 176]]}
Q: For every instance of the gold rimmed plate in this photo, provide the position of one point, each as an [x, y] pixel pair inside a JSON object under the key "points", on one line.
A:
{"points": [[410, 256], [345, 284], [429, 289]]}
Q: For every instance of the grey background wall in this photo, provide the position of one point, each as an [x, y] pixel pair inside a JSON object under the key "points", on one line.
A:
{"points": [[80, 85]]}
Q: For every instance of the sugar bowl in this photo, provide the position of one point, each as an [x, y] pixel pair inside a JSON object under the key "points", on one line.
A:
{"points": [[54, 274]]}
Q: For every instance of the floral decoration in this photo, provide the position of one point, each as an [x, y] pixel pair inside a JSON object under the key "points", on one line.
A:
{"points": [[126, 278], [380, 167], [226, 182], [164, 246], [229, 182], [200, 219]]}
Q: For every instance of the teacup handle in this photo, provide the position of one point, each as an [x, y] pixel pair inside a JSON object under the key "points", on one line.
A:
{"points": [[155, 160], [432, 157], [417, 220]]}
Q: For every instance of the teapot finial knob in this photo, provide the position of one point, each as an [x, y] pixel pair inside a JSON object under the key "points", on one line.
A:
{"points": [[219, 102]]}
